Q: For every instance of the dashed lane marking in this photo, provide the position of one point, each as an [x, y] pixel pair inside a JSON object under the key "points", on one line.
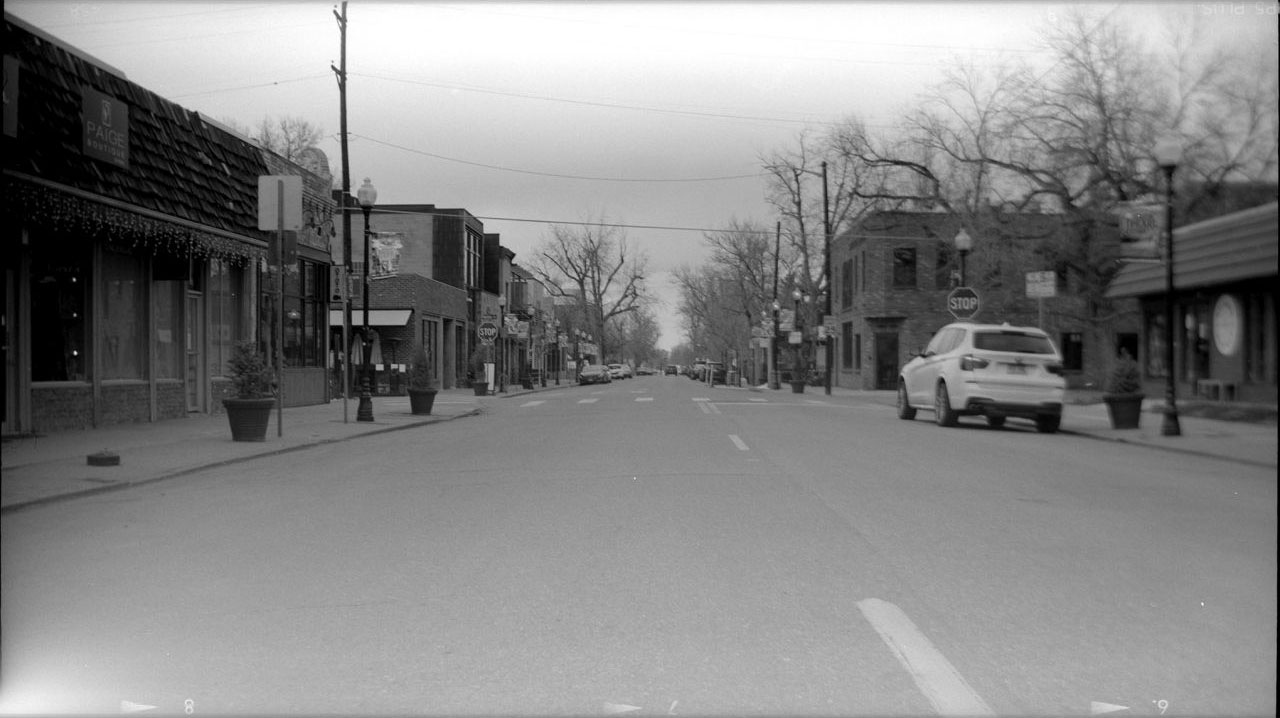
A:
{"points": [[533, 403], [587, 401], [742, 446], [933, 674], [644, 398]]}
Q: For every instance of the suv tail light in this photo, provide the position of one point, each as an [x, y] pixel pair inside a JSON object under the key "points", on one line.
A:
{"points": [[970, 362]]}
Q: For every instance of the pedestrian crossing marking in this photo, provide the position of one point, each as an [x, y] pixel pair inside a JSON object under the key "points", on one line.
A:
{"points": [[533, 403]]}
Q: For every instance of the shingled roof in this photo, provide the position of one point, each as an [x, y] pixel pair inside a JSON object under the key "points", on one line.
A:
{"points": [[190, 186], [1235, 247]]}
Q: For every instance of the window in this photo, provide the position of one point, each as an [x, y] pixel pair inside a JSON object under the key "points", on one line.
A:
{"points": [[1259, 343], [123, 337], [1155, 343], [857, 284], [846, 345], [904, 268], [59, 332], [846, 283], [857, 352], [304, 312], [944, 275], [166, 307], [1008, 341], [1072, 351], [226, 293]]}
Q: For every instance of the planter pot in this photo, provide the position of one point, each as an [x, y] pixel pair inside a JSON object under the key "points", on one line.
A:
{"points": [[1125, 410], [481, 389], [249, 417], [421, 401], [797, 387]]}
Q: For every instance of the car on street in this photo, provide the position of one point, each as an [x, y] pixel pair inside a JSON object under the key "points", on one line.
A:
{"points": [[594, 374], [646, 371], [671, 370], [619, 371], [993, 370]]}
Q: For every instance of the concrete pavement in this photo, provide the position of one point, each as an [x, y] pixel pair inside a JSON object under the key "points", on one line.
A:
{"points": [[41, 469]]}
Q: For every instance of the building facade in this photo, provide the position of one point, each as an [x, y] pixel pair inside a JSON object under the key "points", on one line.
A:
{"points": [[1224, 280], [893, 272], [133, 260]]}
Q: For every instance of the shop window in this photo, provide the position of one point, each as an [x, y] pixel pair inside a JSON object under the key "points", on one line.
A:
{"points": [[166, 306], [1260, 338], [226, 298], [846, 345], [305, 313], [59, 302], [857, 352], [904, 268], [1155, 343], [123, 348]]}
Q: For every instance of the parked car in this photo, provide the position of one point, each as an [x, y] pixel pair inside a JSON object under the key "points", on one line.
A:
{"points": [[594, 374], [717, 370], [646, 371], [620, 371], [992, 370], [671, 370], [695, 372]]}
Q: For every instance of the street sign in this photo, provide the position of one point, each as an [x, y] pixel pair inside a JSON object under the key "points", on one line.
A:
{"points": [[963, 302], [487, 332], [1042, 284]]}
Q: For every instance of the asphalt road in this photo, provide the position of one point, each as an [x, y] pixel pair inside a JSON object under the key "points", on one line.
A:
{"points": [[657, 547]]}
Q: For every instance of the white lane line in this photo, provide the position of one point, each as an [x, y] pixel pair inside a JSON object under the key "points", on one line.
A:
{"points": [[533, 403], [742, 446], [587, 401], [753, 399], [701, 398], [703, 406], [644, 398], [934, 675]]}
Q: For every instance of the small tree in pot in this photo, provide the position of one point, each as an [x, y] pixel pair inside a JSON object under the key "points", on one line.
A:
{"points": [[422, 384], [1124, 393], [249, 411], [477, 374]]}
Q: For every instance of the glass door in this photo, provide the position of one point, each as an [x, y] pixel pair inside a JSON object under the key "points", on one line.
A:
{"points": [[194, 323]]}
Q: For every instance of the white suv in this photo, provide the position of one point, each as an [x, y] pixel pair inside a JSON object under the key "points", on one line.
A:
{"points": [[995, 370]]}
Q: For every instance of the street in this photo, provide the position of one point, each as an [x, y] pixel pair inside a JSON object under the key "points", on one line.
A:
{"points": [[658, 547]]}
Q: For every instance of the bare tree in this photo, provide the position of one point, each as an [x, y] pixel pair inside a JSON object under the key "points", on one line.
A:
{"points": [[288, 136], [594, 264]]}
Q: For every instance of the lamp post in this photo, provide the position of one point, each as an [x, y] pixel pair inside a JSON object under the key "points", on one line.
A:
{"points": [[367, 195], [559, 351], [828, 354], [964, 244], [1168, 152], [797, 374]]}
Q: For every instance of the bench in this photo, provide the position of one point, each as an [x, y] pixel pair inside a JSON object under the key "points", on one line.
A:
{"points": [[1216, 389]]}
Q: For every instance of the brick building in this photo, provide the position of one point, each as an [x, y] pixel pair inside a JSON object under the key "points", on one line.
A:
{"points": [[892, 274]]}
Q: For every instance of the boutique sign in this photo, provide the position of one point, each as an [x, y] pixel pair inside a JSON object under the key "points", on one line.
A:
{"points": [[106, 127]]}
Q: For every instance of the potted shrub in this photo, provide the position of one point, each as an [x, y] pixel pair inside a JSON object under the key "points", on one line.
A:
{"points": [[476, 374], [1124, 394], [253, 383], [422, 384]]}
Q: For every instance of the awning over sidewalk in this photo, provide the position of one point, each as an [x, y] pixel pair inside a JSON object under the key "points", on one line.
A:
{"points": [[377, 317]]}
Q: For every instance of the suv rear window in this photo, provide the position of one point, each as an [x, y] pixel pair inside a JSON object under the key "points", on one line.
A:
{"points": [[1008, 341]]}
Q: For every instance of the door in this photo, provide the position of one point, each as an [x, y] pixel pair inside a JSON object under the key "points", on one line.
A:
{"points": [[8, 349], [887, 364], [193, 321]]}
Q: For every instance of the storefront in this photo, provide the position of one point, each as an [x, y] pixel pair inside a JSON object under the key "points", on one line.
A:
{"points": [[1224, 307]]}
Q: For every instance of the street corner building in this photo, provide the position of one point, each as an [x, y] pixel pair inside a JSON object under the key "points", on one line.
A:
{"points": [[133, 261]]}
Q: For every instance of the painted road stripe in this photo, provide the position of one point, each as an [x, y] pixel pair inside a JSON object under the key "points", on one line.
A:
{"points": [[701, 398], [738, 442], [644, 398], [934, 675], [753, 399], [532, 403], [587, 401]]}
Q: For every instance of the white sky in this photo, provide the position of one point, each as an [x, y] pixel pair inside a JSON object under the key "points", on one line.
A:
{"points": [[539, 111]]}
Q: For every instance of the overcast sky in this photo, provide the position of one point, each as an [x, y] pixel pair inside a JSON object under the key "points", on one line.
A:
{"points": [[651, 114]]}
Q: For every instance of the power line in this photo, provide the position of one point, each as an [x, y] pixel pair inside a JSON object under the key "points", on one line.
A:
{"points": [[273, 83], [557, 175]]}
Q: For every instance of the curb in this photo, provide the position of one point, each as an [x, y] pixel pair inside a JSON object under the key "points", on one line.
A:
{"points": [[33, 503], [1171, 449]]}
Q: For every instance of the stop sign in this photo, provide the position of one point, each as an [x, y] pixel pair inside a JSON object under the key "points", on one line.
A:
{"points": [[963, 302], [487, 332]]}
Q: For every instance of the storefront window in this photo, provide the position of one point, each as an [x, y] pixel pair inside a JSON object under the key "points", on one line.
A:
{"points": [[166, 303], [59, 332], [225, 293], [1155, 343], [124, 346], [305, 314]]}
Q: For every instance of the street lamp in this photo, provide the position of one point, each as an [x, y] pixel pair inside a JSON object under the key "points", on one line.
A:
{"points": [[964, 244], [559, 351], [774, 375], [1168, 152], [367, 195]]}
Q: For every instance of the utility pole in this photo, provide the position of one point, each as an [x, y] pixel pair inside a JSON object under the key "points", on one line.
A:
{"points": [[826, 270], [341, 72]]}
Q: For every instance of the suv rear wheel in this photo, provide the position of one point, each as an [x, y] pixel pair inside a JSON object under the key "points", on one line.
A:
{"points": [[942, 407], [1048, 424]]}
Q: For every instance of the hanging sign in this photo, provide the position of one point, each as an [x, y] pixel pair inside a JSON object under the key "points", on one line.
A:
{"points": [[105, 121]]}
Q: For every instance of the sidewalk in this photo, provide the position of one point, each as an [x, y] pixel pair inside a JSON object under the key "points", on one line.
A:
{"points": [[41, 469], [1241, 442]]}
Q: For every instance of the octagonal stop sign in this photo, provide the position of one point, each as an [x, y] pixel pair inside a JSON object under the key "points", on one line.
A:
{"points": [[963, 302]]}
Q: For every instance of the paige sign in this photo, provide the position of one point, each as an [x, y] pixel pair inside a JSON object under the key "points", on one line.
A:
{"points": [[106, 127]]}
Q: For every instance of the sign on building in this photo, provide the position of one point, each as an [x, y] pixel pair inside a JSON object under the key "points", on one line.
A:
{"points": [[1042, 284], [106, 127]]}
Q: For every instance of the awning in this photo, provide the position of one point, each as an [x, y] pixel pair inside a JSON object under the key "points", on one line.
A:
{"points": [[377, 317]]}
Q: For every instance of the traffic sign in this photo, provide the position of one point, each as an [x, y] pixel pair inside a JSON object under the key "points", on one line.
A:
{"points": [[1042, 284], [487, 332], [963, 302]]}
